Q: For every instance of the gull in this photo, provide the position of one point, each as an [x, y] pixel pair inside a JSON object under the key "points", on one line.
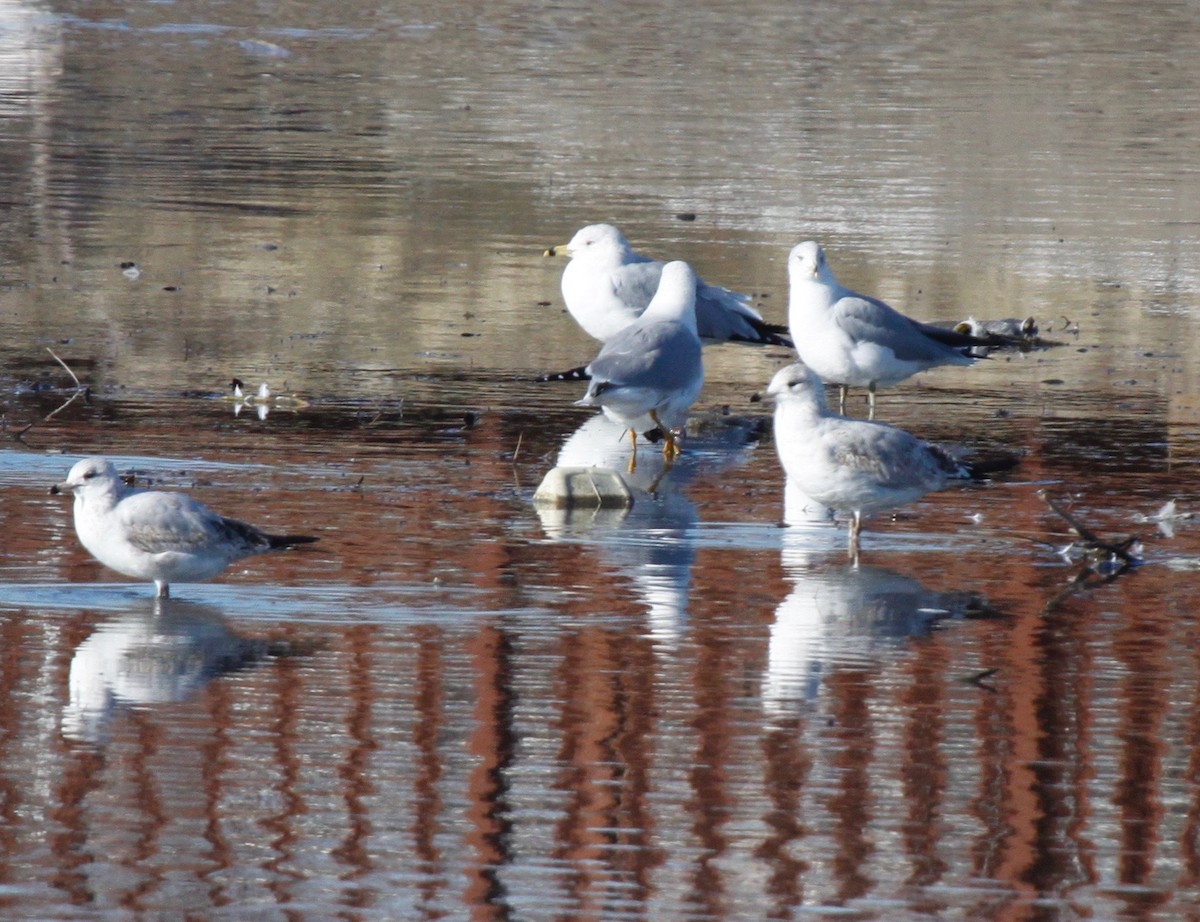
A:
{"points": [[606, 286], [853, 466], [263, 400], [262, 395], [164, 537], [853, 340], [652, 368], [1012, 329]]}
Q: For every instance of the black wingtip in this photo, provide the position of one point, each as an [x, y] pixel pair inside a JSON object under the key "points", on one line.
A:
{"points": [[579, 373], [283, 541], [986, 468], [766, 334], [766, 338]]}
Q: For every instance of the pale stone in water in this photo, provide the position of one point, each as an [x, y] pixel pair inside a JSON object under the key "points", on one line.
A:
{"points": [[601, 487]]}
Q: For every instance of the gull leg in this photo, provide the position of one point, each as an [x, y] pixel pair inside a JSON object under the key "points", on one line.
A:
{"points": [[633, 456], [161, 589], [842, 391], [670, 443], [855, 529], [871, 400]]}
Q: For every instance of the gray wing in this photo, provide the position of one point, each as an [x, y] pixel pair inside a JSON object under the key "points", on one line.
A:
{"points": [[723, 315], [658, 355], [895, 458], [866, 319], [635, 283], [160, 523]]}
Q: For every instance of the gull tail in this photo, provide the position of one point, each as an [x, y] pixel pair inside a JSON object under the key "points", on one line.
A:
{"points": [[578, 373]]}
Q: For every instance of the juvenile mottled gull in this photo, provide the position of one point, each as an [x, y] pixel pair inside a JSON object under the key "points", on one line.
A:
{"points": [[852, 466], [853, 340], [652, 368], [606, 286], [164, 537]]}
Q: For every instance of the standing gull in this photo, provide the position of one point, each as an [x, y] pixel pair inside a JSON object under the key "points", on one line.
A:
{"points": [[606, 286], [652, 368], [164, 537], [851, 465], [853, 340]]}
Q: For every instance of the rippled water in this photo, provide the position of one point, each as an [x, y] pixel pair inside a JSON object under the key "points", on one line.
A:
{"points": [[458, 706]]}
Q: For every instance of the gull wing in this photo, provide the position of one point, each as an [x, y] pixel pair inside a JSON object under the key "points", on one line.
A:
{"points": [[663, 356], [723, 315], [894, 458], [866, 319], [160, 523], [635, 282]]}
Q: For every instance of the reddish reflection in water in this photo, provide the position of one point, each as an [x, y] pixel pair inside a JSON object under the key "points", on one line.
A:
{"points": [[661, 718]]}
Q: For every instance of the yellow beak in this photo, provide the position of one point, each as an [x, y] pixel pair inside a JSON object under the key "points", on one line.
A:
{"points": [[563, 249]]}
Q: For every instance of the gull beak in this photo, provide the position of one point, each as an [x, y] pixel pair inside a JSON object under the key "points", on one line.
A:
{"points": [[59, 488], [562, 249]]}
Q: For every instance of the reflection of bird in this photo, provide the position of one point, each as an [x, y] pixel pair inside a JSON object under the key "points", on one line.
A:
{"points": [[851, 465], [164, 537], [652, 542], [652, 368], [606, 286], [853, 340], [849, 616], [156, 657]]}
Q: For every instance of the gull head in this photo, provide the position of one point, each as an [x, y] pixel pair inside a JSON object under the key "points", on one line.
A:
{"points": [[806, 262], [675, 298], [599, 242], [88, 474], [796, 382]]}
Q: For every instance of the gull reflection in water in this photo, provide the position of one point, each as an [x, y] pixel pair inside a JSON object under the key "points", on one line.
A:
{"points": [[654, 541], [160, 656], [842, 614]]}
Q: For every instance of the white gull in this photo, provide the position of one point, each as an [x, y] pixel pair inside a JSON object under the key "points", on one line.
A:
{"points": [[606, 286], [853, 466], [853, 340], [164, 537]]}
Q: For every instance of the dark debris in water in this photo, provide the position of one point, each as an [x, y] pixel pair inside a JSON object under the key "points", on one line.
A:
{"points": [[1104, 560]]}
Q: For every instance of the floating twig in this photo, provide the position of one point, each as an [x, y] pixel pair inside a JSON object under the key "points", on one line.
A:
{"points": [[65, 366], [980, 679], [80, 390], [1090, 541], [1104, 560]]}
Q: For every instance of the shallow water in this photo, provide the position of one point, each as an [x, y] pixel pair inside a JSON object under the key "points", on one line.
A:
{"points": [[457, 706]]}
